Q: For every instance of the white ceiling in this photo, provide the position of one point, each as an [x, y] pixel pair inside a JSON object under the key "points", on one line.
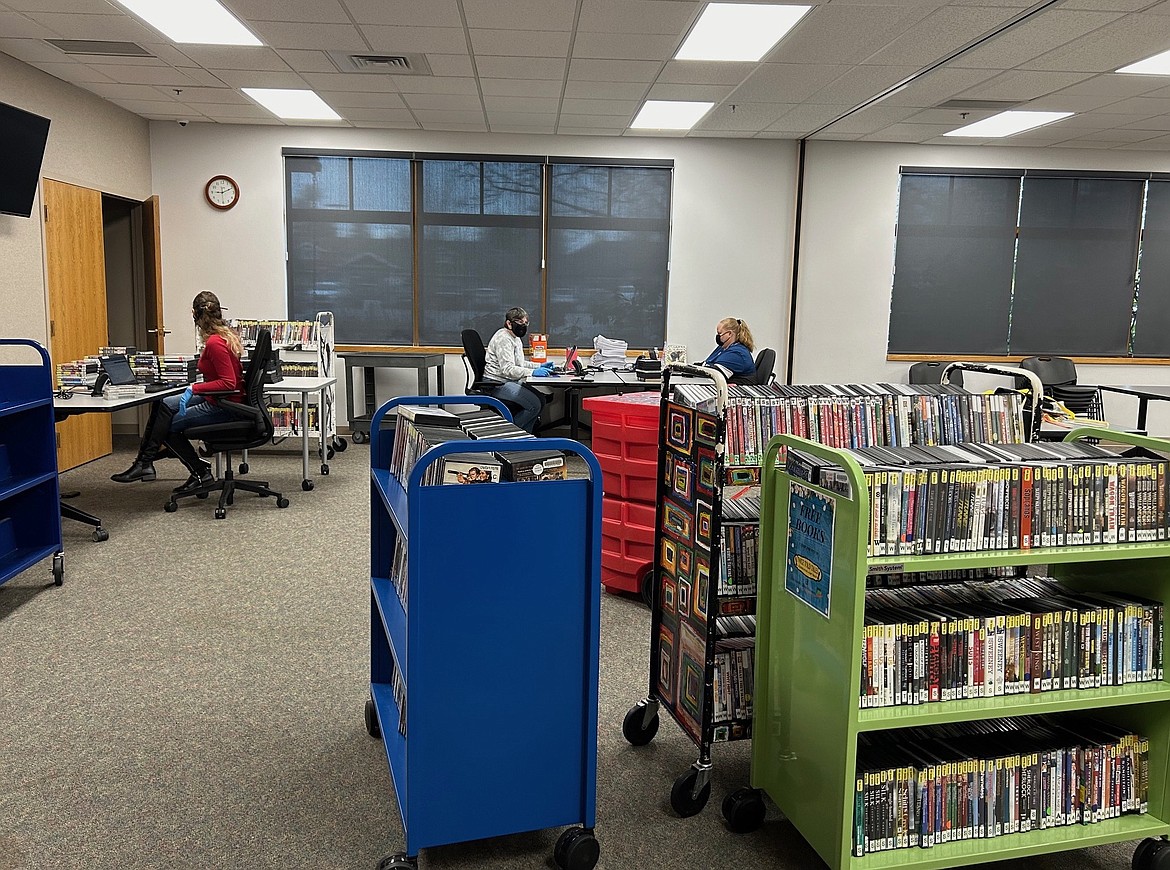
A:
{"points": [[585, 66]]}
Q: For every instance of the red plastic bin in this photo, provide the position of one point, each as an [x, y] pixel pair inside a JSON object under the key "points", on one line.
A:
{"points": [[627, 543], [625, 442]]}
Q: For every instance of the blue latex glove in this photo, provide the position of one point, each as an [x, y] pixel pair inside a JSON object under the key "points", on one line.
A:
{"points": [[188, 395], [540, 373], [548, 365]]}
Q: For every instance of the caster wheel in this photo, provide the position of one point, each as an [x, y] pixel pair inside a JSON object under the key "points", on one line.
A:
{"points": [[201, 495], [306, 485], [325, 468], [646, 587], [1151, 854], [359, 437], [281, 502], [243, 468], [682, 801], [100, 534], [633, 729], [170, 507], [371, 715], [329, 454], [398, 861], [339, 444], [576, 849], [744, 810], [58, 569], [220, 514]]}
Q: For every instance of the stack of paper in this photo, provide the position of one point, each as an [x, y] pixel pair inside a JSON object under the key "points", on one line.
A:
{"points": [[611, 352]]}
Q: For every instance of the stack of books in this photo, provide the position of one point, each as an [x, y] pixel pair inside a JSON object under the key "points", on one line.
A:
{"points": [[291, 334], [78, 373], [178, 369]]}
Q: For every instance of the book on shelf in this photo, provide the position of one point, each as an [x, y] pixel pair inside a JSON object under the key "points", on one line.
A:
{"points": [[929, 786], [998, 637], [432, 415], [292, 334], [523, 465], [734, 679], [464, 468]]}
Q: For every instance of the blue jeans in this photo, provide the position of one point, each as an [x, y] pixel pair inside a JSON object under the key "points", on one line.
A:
{"points": [[528, 399], [199, 412]]}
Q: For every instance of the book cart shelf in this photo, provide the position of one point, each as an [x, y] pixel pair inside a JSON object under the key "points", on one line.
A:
{"points": [[686, 604], [30, 504], [808, 669], [470, 754]]}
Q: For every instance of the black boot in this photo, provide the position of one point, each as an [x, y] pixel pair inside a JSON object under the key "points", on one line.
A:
{"points": [[197, 479], [158, 427], [200, 470]]}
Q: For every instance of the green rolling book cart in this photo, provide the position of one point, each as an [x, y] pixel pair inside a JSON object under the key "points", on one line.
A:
{"points": [[808, 670]]}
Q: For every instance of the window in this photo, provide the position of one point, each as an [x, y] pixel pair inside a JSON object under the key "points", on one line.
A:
{"points": [[1026, 262], [412, 249]]}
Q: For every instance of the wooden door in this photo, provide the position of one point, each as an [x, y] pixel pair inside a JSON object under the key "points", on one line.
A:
{"points": [[152, 269], [75, 265]]}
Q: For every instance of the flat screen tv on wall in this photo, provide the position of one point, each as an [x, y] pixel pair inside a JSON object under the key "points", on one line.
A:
{"points": [[22, 147]]}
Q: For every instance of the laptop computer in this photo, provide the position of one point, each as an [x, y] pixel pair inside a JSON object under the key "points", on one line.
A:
{"points": [[115, 370]]}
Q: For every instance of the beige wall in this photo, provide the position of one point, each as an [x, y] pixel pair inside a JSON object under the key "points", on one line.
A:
{"points": [[92, 143]]}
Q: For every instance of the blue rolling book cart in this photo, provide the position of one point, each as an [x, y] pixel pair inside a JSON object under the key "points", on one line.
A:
{"points": [[30, 504], [483, 677]]}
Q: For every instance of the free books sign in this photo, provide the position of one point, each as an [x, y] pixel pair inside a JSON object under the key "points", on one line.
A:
{"points": [[809, 564]]}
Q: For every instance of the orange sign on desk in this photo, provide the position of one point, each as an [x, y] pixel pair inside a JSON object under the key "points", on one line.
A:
{"points": [[539, 347]]}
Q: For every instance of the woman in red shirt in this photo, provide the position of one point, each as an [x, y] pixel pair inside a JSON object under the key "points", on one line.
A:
{"points": [[220, 366]]}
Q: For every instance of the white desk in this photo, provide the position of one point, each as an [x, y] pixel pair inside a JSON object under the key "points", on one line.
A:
{"points": [[305, 386]]}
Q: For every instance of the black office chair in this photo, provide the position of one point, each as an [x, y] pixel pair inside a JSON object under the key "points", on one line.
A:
{"points": [[1058, 374], [474, 361], [251, 428], [931, 372], [765, 363]]}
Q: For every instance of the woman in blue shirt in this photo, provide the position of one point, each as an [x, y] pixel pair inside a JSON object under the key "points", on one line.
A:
{"points": [[733, 350]]}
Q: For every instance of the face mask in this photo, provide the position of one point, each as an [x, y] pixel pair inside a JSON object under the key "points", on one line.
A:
{"points": [[519, 329], [718, 339]]}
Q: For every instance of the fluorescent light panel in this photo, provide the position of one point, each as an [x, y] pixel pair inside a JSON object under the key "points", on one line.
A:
{"points": [[202, 22], [738, 31], [1008, 124], [293, 105], [670, 115], [1158, 65]]}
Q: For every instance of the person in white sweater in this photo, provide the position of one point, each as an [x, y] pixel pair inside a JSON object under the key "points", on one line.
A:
{"points": [[507, 367]]}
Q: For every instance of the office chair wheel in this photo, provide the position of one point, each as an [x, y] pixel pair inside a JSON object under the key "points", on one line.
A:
{"points": [[576, 849], [243, 468], [325, 468], [220, 513], [58, 569], [398, 861], [170, 507], [373, 728], [281, 502], [100, 534], [358, 437], [329, 454], [339, 444], [306, 485], [201, 495], [744, 810]]}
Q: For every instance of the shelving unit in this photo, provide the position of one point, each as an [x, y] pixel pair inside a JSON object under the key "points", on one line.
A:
{"points": [[808, 670], [30, 505], [685, 630], [483, 680]]}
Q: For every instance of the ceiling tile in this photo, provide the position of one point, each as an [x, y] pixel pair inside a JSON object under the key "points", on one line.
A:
{"points": [[943, 31], [113, 26], [229, 110], [440, 40], [566, 130], [432, 13], [806, 117], [222, 95], [411, 124], [16, 26], [1141, 106], [625, 46], [745, 116], [1118, 136], [699, 72], [240, 79], [521, 43], [1106, 5], [1021, 85], [86, 7], [938, 86], [587, 70], [909, 132], [428, 85], [34, 51], [451, 64], [1162, 143], [605, 90], [787, 82], [1031, 38], [336, 37], [846, 34], [458, 127], [149, 75], [862, 83], [599, 107], [1100, 121], [124, 92], [251, 57], [519, 67], [872, 119], [533, 119], [157, 111], [1157, 122], [520, 88], [270, 121], [457, 102], [1114, 85], [601, 120], [351, 82], [168, 53], [521, 104], [637, 16], [1062, 101], [528, 129], [448, 116], [76, 73], [714, 93], [307, 60], [521, 14], [398, 117], [1107, 48], [696, 133], [312, 11], [349, 99]]}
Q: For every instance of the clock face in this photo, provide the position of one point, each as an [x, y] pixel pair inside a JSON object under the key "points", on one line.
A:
{"points": [[222, 192]]}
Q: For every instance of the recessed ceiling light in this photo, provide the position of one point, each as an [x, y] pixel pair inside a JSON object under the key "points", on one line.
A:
{"points": [[293, 105], [738, 31], [1007, 124], [1158, 65], [203, 22], [670, 114]]}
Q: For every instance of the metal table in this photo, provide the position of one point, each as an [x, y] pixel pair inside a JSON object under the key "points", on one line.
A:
{"points": [[423, 361]]}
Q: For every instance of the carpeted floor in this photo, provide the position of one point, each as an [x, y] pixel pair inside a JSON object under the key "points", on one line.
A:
{"points": [[192, 698]]}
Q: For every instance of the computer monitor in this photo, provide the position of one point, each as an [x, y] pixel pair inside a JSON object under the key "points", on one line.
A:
{"points": [[117, 369], [570, 357]]}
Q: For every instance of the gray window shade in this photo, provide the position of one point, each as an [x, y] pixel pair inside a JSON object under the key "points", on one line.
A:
{"points": [[479, 254], [1152, 336], [1075, 266], [349, 245], [609, 232], [953, 264]]}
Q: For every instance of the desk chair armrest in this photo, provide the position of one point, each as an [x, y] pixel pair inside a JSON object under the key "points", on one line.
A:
{"points": [[242, 410]]}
